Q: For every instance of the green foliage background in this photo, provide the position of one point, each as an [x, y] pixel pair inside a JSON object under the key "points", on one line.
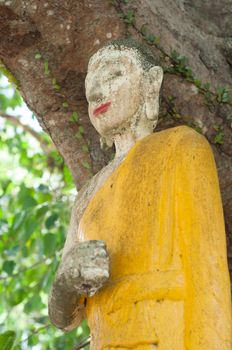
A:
{"points": [[36, 195]]}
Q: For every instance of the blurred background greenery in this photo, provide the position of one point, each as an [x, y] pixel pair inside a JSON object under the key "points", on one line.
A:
{"points": [[36, 196]]}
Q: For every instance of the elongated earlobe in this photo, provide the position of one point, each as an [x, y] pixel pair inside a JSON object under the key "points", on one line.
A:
{"points": [[156, 77], [153, 81]]}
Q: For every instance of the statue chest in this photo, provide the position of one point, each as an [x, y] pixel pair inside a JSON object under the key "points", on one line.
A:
{"points": [[134, 212]]}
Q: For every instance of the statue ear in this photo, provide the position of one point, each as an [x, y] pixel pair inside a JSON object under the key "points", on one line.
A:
{"points": [[152, 86], [156, 77]]}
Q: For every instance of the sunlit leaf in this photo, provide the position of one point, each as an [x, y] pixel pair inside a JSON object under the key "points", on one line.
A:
{"points": [[49, 241], [50, 222], [7, 340], [8, 266], [33, 304], [17, 297]]}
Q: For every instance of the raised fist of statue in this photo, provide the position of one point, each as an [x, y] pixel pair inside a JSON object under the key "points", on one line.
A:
{"points": [[85, 268]]}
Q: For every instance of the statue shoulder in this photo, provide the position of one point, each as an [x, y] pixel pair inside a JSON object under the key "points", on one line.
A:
{"points": [[181, 136], [193, 147], [191, 140], [173, 139], [183, 133]]}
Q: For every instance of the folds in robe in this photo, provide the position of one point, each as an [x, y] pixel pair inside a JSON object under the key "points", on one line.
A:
{"points": [[160, 215]]}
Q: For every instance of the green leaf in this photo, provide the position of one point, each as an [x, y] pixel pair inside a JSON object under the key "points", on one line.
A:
{"points": [[33, 304], [17, 297], [42, 211], [28, 202], [30, 226], [81, 129], [33, 340], [46, 68], [18, 220], [223, 95], [65, 104], [129, 17], [68, 176], [74, 117], [151, 38], [50, 222], [86, 164], [25, 197], [197, 82], [38, 56], [143, 30], [78, 136], [219, 138], [206, 86], [49, 243], [55, 85], [7, 340], [8, 266], [4, 184], [43, 188], [85, 148]]}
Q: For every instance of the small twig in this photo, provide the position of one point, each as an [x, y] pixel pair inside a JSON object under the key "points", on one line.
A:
{"points": [[36, 331], [84, 343], [26, 268], [16, 121]]}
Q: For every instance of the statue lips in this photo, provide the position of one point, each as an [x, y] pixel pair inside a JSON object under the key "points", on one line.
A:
{"points": [[101, 109]]}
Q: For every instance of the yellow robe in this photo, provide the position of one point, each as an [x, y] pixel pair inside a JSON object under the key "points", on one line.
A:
{"points": [[160, 214]]}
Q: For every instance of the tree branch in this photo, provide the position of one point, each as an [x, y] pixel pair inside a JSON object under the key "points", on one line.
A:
{"points": [[84, 343], [36, 331], [16, 121]]}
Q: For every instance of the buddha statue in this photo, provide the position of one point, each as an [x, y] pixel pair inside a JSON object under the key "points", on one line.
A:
{"points": [[145, 255]]}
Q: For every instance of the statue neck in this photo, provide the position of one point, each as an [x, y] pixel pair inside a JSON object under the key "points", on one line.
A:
{"points": [[125, 140], [123, 143]]}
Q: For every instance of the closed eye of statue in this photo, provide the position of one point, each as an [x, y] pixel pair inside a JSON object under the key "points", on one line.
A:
{"points": [[114, 76]]}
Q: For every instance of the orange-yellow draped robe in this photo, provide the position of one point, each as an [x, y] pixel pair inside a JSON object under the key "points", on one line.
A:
{"points": [[160, 214]]}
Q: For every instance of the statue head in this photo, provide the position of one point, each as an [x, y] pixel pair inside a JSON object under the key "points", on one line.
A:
{"points": [[122, 89]]}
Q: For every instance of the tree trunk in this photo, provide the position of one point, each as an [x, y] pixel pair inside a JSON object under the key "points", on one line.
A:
{"points": [[46, 45]]}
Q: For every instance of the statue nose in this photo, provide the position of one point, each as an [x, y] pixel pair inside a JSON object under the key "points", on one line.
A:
{"points": [[95, 93]]}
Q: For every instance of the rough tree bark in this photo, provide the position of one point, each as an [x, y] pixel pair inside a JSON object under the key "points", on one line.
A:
{"points": [[46, 45]]}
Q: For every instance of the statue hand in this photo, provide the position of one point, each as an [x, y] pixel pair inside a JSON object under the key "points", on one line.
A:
{"points": [[86, 267]]}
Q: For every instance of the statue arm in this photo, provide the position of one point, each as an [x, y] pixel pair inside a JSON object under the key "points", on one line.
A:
{"points": [[83, 270], [66, 308], [203, 243]]}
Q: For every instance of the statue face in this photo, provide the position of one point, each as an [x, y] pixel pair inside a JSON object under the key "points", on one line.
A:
{"points": [[113, 89]]}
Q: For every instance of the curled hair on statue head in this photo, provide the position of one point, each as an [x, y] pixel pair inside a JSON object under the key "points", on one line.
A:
{"points": [[145, 57]]}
